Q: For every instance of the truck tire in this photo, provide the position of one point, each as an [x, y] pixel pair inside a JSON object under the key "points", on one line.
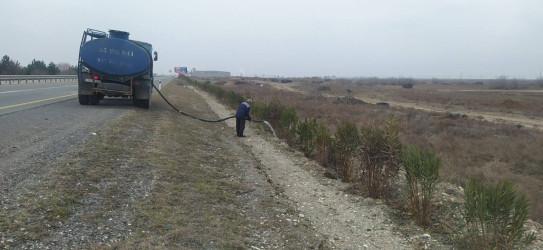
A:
{"points": [[145, 94], [83, 99], [142, 103], [94, 99], [145, 103]]}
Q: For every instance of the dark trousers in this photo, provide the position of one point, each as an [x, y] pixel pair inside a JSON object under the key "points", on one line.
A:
{"points": [[240, 126]]}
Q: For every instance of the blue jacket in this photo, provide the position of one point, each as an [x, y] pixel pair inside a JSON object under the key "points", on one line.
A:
{"points": [[243, 111]]}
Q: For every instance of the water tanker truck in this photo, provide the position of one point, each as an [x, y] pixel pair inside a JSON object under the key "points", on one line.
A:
{"points": [[113, 65]]}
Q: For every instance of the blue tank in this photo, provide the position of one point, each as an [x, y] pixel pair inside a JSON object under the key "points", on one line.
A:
{"points": [[115, 55]]}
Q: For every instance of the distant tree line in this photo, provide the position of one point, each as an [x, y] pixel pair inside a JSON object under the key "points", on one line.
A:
{"points": [[36, 67]]}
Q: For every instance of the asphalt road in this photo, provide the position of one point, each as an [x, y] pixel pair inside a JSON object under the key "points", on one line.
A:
{"points": [[17, 97], [39, 123]]}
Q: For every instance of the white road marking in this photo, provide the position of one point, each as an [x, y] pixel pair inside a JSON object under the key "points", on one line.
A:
{"points": [[42, 100], [27, 90]]}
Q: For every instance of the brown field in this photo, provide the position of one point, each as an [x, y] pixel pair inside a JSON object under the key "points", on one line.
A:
{"points": [[491, 130]]}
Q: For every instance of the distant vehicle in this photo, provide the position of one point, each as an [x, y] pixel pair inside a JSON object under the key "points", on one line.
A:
{"points": [[115, 66]]}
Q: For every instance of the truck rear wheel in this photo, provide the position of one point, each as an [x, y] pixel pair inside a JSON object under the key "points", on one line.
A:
{"points": [[83, 99], [145, 103], [94, 99], [142, 92], [142, 103]]}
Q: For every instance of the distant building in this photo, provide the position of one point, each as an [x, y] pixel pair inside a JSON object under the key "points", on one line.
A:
{"points": [[209, 73]]}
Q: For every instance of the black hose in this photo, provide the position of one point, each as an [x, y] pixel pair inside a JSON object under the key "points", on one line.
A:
{"points": [[206, 120], [189, 115], [195, 117]]}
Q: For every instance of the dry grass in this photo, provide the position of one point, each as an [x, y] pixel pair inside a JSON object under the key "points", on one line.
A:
{"points": [[192, 202], [467, 146]]}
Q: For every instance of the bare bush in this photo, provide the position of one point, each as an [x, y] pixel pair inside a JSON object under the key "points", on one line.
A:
{"points": [[407, 86], [503, 82], [349, 100], [240, 82], [324, 88]]}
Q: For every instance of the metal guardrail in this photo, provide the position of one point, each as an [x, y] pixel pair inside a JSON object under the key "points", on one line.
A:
{"points": [[17, 79]]}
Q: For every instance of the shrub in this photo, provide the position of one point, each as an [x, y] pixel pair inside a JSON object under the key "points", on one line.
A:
{"points": [[406, 82], [346, 146], [380, 156], [283, 118], [324, 142], [305, 136], [274, 109], [324, 88], [238, 82], [233, 99], [495, 215], [287, 123], [261, 110], [422, 174]]}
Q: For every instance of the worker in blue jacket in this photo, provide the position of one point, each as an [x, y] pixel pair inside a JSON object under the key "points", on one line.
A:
{"points": [[242, 114]]}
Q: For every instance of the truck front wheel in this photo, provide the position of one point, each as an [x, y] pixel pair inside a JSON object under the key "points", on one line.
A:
{"points": [[83, 99]]}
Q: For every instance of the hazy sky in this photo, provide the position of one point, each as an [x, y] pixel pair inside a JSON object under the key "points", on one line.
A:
{"points": [[407, 38]]}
